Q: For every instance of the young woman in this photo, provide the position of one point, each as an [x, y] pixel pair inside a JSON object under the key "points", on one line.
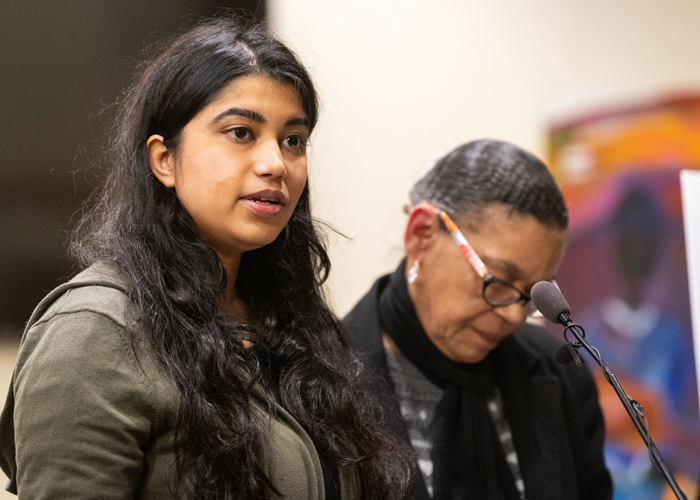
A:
{"points": [[194, 357]]}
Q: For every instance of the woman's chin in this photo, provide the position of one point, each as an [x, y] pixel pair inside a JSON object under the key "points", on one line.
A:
{"points": [[466, 354]]}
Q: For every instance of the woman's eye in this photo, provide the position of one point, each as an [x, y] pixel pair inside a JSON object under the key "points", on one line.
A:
{"points": [[240, 133], [295, 141]]}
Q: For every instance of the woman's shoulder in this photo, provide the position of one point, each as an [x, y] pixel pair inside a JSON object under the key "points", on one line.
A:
{"points": [[86, 385], [80, 330], [538, 348], [539, 339], [99, 289], [84, 323]]}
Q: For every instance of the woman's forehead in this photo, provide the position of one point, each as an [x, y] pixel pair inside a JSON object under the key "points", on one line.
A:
{"points": [[513, 243], [475, 217]]}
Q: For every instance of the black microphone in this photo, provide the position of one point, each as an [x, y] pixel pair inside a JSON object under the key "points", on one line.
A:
{"points": [[549, 300]]}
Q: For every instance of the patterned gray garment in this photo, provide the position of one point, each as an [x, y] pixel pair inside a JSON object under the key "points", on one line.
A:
{"points": [[418, 397]]}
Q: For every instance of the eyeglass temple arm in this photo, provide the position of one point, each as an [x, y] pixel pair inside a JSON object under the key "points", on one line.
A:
{"points": [[464, 245]]}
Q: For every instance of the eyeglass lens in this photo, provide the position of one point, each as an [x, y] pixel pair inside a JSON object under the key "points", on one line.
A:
{"points": [[500, 294]]}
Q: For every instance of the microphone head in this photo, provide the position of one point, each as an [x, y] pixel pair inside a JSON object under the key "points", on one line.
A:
{"points": [[549, 300]]}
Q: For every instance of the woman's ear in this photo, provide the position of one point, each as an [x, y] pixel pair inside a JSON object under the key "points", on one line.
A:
{"points": [[421, 230], [162, 160]]}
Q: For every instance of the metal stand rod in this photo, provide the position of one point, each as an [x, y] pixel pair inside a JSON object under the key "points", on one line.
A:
{"points": [[654, 452]]}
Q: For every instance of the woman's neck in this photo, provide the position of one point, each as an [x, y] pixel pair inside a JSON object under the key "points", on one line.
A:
{"points": [[232, 302]]}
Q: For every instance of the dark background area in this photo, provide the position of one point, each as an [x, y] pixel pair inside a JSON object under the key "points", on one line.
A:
{"points": [[63, 63]]}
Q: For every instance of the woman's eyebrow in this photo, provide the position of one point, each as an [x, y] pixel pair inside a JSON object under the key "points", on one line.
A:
{"points": [[298, 121], [245, 113], [512, 271], [257, 117]]}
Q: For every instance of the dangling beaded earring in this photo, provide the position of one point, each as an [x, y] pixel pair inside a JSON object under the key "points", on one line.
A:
{"points": [[413, 273]]}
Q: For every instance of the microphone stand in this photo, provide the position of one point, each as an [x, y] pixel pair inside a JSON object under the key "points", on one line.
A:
{"points": [[634, 409]]}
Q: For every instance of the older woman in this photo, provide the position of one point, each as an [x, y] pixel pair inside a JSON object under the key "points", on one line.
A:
{"points": [[463, 378], [194, 356]]}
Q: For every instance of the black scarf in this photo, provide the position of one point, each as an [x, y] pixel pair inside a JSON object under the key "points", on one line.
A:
{"points": [[468, 459]]}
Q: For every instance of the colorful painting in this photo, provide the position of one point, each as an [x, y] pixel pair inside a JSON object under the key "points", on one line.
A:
{"points": [[626, 282]]}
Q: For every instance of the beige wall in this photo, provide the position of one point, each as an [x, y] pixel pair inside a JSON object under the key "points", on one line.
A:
{"points": [[403, 79]]}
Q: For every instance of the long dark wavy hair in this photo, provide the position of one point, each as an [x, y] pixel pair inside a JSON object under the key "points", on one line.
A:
{"points": [[175, 281]]}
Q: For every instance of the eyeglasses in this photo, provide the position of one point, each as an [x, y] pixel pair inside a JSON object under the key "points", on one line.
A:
{"points": [[496, 292]]}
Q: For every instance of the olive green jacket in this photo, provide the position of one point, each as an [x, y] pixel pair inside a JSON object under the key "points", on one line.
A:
{"points": [[90, 410]]}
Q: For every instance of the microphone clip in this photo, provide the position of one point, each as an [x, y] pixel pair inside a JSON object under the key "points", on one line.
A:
{"points": [[569, 351], [573, 350]]}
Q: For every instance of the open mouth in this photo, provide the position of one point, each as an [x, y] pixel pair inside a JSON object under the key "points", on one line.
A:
{"points": [[267, 197], [265, 201]]}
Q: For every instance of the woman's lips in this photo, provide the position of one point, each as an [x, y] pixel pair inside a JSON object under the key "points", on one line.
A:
{"points": [[265, 203], [490, 338]]}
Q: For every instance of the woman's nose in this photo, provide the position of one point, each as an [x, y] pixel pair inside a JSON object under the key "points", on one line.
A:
{"points": [[269, 161], [514, 313]]}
